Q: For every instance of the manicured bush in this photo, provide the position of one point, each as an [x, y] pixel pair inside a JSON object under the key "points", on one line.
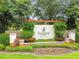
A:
{"points": [[19, 48], [2, 47], [27, 48], [26, 34], [4, 39]]}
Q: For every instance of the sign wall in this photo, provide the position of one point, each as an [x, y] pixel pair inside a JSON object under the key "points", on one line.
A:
{"points": [[44, 32]]}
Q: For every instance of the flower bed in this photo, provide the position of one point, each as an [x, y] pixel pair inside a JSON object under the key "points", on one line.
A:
{"points": [[51, 51]]}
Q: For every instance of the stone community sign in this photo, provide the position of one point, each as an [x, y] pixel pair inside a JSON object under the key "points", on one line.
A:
{"points": [[44, 32]]}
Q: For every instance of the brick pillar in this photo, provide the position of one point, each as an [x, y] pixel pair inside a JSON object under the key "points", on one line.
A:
{"points": [[12, 39]]}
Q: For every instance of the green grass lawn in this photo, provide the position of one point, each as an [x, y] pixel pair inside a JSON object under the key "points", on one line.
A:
{"points": [[74, 55]]}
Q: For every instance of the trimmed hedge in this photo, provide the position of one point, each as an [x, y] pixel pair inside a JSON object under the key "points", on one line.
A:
{"points": [[71, 46], [27, 48], [19, 48]]}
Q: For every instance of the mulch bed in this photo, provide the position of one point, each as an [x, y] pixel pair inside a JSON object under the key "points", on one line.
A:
{"points": [[52, 51]]}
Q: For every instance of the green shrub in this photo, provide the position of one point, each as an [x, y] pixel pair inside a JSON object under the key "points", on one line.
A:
{"points": [[60, 28], [26, 34], [2, 47], [19, 48], [9, 48], [4, 39]]}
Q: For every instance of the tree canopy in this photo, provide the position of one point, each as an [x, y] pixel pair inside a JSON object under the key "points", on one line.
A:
{"points": [[13, 12], [47, 9], [72, 13]]}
